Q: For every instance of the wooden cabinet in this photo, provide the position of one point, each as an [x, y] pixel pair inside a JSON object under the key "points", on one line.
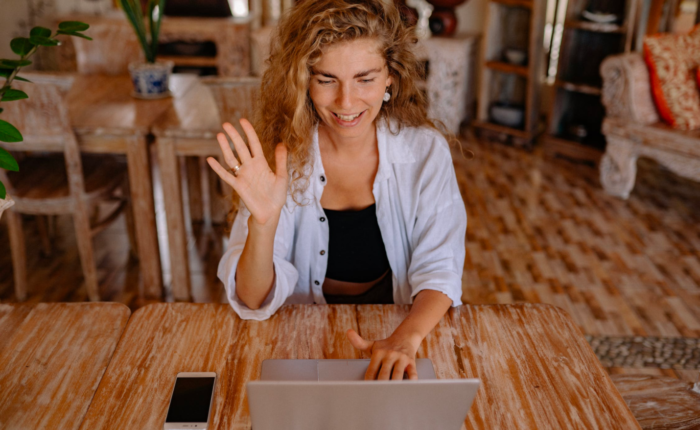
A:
{"points": [[511, 72], [574, 126]]}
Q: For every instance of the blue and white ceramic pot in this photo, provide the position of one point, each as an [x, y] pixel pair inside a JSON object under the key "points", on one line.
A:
{"points": [[151, 80]]}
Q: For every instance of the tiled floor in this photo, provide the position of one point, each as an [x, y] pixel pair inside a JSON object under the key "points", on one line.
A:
{"points": [[540, 230]]}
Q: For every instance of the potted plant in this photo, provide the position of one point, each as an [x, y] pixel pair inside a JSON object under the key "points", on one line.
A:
{"points": [[151, 78], [25, 47]]}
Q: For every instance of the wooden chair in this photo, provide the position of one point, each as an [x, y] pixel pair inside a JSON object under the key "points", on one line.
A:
{"points": [[235, 98], [51, 184], [113, 46]]}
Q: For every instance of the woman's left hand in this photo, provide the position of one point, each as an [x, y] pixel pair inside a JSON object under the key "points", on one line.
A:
{"points": [[391, 357]]}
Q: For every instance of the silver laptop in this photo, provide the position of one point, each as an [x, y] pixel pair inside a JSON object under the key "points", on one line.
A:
{"points": [[332, 395]]}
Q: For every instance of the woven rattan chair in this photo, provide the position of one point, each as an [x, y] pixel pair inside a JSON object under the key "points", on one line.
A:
{"points": [[54, 178]]}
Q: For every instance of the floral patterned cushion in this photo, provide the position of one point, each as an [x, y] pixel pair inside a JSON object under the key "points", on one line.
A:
{"points": [[672, 60]]}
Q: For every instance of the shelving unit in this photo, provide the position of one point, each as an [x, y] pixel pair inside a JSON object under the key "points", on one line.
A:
{"points": [[512, 24], [577, 113]]}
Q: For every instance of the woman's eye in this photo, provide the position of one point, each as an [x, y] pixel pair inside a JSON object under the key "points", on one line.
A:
{"points": [[366, 81], [324, 82]]}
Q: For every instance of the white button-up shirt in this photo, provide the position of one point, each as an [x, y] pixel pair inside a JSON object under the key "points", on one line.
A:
{"points": [[421, 217]]}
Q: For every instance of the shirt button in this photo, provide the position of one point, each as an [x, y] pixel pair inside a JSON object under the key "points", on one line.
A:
{"points": [[323, 218], [323, 252], [323, 178], [316, 282]]}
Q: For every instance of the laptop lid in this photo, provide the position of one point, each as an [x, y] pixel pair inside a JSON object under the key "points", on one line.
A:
{"points": [[356, 404]]}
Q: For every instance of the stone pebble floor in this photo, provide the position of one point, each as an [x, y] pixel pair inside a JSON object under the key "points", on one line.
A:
{"points": [[637, 351]]}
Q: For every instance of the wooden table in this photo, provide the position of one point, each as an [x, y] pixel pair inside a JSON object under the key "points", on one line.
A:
{"points": [[52, 357], [537, 370], [107, 119], [189, 128]]}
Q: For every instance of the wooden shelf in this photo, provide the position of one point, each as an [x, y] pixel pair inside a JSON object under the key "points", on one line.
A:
{"points": [[554, 145], [503, 129], [579, 88], [507, 68], [594, 26], [181, 60], [517, 3]]}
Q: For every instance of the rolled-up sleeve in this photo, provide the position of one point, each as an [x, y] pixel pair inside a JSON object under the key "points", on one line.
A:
{"points": [[286, 274], [438, 235]]}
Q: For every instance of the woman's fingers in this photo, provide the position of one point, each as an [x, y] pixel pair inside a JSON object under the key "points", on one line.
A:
{"points": [[238, 143], [231, 159], [358, 342], [281, 160], [253, 141], [373, 368], [387, 365], [223, 173], [411, 370], [400, 367]]}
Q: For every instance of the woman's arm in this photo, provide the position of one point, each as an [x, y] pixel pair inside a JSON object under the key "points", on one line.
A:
{"points": [[255, 273], [393, 356]]}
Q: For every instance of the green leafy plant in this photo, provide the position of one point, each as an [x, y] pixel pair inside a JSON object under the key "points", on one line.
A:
{"points": [[25, 47], [147, 37]]}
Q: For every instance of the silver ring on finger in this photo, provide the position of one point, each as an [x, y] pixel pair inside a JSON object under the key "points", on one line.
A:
{"points": [[236, 169]]}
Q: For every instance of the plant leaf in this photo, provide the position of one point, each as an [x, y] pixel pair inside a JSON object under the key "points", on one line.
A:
{"points": [[68, 33], [73, 26], [13, 64], [3, 192], [12, 95], [8, 132], [40, 31], [5, 73], [43, 41], [21, 46], [7, 161]]}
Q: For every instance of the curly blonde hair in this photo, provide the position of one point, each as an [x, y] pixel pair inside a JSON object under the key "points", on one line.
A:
{"points": [[285, 112]]}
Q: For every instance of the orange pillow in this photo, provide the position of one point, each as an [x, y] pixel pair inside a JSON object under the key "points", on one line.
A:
{"points": [[671, 59]]}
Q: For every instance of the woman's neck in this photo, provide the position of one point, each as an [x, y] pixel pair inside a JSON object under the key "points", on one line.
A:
{"points": [[347, 146]]}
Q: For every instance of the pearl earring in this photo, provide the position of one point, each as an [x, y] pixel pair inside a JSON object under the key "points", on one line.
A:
{"points": [[387, 96]]}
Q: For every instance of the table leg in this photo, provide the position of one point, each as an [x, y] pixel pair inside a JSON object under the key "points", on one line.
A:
{"points": [[172, 197], [144, 215]]}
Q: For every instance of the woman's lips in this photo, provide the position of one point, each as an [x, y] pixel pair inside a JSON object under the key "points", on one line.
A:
{"points": [[349, 123]]}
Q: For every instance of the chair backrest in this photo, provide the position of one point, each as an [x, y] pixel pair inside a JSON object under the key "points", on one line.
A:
{"points": [[44, 123], [113, 46], [43, 117], [235, 98]]}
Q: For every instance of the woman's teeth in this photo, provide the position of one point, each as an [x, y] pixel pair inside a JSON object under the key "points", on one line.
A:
{"points": [[347, 118]]}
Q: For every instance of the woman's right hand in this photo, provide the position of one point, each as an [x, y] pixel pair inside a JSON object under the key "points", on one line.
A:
{"points": [[263, 191]]}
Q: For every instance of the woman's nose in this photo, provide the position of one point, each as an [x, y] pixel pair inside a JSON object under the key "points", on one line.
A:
{"points": [[345, 97]]}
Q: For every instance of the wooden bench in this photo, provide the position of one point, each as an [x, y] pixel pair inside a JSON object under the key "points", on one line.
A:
{"points": [[660, 402], [633, 128]]}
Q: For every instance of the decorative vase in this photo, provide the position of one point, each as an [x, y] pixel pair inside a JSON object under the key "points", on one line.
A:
{"points": [[443, 21], [5, 204], [151, 80]]}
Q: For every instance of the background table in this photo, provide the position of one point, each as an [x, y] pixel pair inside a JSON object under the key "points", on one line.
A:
{"points": [[52, 357], [537, 370], [188, 128], [107, 119]]}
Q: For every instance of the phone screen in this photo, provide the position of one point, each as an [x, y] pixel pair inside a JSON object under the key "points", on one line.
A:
{"points": [[190, 402]]}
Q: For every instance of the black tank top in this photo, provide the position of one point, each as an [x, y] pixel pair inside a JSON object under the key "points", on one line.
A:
{"points": [[356, 250]]}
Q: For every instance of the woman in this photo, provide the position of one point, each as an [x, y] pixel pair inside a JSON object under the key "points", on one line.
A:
{"points": [[364, 205]]}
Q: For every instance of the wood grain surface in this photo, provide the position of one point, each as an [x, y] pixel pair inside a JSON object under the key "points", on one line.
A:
{"points": [[52, 357], [537, 369]]}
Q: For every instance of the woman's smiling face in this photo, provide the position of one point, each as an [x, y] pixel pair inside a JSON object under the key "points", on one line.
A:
{"points": [[347, 87]]}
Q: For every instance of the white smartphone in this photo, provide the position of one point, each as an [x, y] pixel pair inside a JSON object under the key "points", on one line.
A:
{"points": [[190, 403]]}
